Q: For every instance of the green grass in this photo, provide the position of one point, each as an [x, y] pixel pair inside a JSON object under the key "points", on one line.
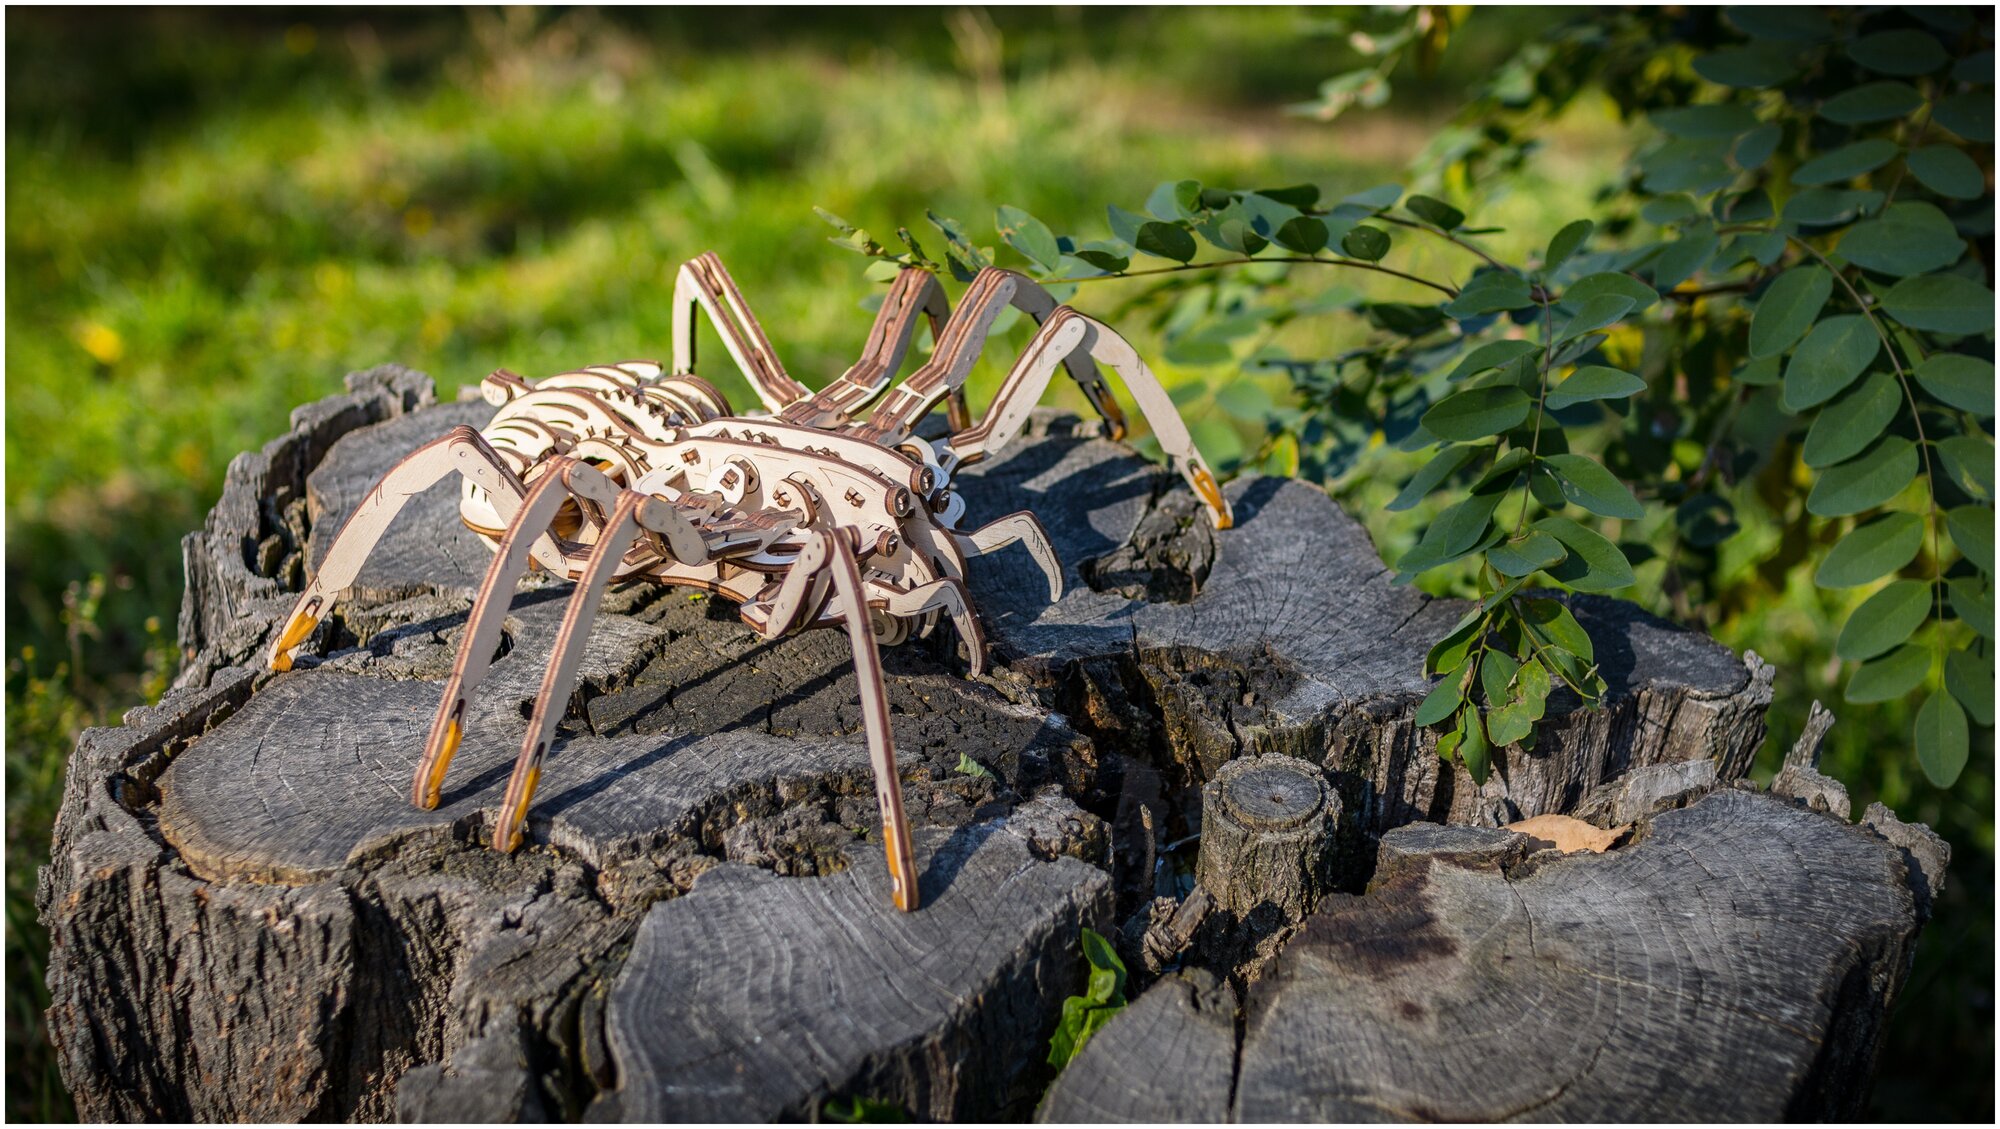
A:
{"points": [[210, 218]]}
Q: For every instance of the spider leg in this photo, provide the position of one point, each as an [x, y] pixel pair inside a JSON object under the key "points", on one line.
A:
{"points": [[461, 450], [992, 291], [1024, 527], [846, 576], [915, 292], [564, 478], [620, 531], [704, 282], [1069, 330], [949, 596]]}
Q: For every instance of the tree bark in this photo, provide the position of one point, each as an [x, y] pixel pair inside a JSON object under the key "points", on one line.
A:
{"points": [[249, 920]]}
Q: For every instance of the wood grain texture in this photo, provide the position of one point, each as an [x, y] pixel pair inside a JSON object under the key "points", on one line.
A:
{"points": [[249, 921], [1297, 642], [1168, 1057], [1707, 972]]}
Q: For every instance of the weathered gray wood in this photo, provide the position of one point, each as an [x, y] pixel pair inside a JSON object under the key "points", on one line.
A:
{"points": [[250, 921], [755, 998], [1267, 836], [1700, 974], [1297, 642], [1168, 1057]]}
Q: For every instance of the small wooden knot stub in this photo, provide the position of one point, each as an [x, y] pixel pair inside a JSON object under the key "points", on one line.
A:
{"points": [[1267, 835]]}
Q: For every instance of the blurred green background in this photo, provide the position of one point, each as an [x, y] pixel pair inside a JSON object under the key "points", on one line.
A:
{"points": [[213, 215]]}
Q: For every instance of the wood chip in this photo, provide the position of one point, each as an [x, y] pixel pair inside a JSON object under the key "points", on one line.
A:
{"points": [[1568, 834]]}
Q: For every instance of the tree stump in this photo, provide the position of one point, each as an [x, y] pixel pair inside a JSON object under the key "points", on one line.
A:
{"points": [[249, 921], [1267, 826]]}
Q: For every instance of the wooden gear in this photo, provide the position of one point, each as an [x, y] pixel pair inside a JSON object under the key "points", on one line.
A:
{"points": [[809, 516]]}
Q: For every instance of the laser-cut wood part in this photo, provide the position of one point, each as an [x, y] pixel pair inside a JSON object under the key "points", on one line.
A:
{"points": [[805, 518]]}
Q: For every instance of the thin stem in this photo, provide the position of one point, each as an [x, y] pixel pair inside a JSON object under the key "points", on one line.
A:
{"points": [[1448, 237], [1541, 408], [1357, 264]]}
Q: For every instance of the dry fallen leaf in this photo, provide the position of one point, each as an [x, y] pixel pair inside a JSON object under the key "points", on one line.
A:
{"points": [[1568, 834]]}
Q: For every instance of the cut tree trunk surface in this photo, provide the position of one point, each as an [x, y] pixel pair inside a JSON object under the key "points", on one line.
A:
{"points": [[250, 921]]}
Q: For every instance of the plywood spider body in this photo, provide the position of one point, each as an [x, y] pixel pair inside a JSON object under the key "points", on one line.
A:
{"points": [[813, 515]]}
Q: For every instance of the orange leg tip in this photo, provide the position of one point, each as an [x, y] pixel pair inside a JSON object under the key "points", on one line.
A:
{"points": [[301, 625], [430, 786]]}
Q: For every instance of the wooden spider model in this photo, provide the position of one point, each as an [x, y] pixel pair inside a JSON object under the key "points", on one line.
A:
{"points": [[810, 515]]}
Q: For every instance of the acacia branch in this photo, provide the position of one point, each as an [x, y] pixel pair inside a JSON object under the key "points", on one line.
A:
{"points": [[1356, 264]]}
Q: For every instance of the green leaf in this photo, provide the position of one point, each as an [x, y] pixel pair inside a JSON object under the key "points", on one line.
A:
{"points": [[1376, 199], [1432, 476], [1969, 677], [1972, 600], [1891, 676], [1970, 115], [1971, 529], [1946, 303], [1908, 239], [1832, 355], [1164, 241], [1594, 314], [1747, 67], [1756, 147], [1164, 202], [1508, 724], [1029, 237], [1474, 749], [1365, 243], [1434, 211], [1906, 52], [1443, 701], [1788, 308], [1556, 625], [1586, 483], [1594, 563], [1846, 162], [1611, 284], [1884, 620], [1823, 206], [1790, 25], [1456, 532], [1532, 685], [1968, 462], [1870, 551], [1476, 413], [1942, 740], [969, 767], [1533, 552], [1298, 195], [1187, 198], [1594, 382], [1489, 293], [1567, 241], [1492, 355], [966, 260], [1306, 234], [1125, 225], [1866, 481], [1403, 318], [1852, 420], [1758, 374], [882, 270], [1948, 171], [1717, 120], [1976, 68], [858, 1110], [1102, 255], [1874, 102], [1684, 257], [1449, 653], [1963, 382]]}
